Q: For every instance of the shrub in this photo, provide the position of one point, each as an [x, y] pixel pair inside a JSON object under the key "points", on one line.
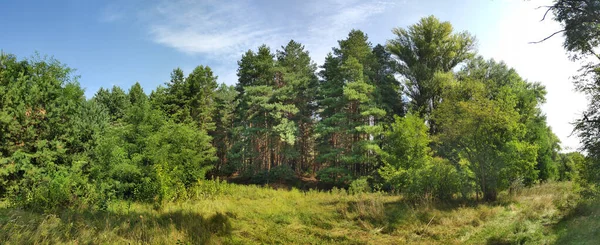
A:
{"points": [[56, 189], [334, 176], [444, 179], [282, 173], [360, 185]]}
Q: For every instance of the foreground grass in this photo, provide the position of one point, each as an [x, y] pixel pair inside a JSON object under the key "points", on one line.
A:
{"points": [[232, 214], [581, 225]]}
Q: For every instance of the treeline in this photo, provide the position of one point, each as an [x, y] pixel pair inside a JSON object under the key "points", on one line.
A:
{"points": [[422, 115]]}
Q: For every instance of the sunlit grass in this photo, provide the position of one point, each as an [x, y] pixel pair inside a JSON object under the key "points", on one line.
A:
{"points": [[235, 214]]}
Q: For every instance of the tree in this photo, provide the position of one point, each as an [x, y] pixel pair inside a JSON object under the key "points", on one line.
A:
{"points": [[199, 94], [189, 99], [264, 112], [409, 165], [570, 164], [501, 79], [330, 103], [350, 118], [580, 21], [223, 136], [298, 88], [171, 99], [181, 155], [42, 107], [115, 101], [136, 95], [487, 134], [423, 49], [388, 90], [361, 116]]}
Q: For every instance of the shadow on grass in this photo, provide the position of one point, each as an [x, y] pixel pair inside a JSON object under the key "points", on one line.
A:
{"points": [[92, 227], [581, 225]]}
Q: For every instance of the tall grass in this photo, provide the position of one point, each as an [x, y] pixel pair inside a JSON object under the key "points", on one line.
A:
{"points": [[222, 213]]}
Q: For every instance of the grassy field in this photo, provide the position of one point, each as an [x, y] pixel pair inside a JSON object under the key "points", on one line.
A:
{"points": [[235, 214]]}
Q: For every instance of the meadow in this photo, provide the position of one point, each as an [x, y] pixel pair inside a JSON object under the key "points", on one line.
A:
{"points": [[223, 213]]}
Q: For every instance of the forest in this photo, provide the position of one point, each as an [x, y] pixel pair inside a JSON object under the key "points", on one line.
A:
{"points": [[420, 121]]}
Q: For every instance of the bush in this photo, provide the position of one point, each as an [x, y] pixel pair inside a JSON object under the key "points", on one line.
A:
{"points": [[283, 173], [334, 176], [444, 179], [58, 189], [360, 185]]}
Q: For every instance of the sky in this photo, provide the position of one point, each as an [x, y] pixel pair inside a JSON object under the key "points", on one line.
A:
{"points": [[122, 42]]}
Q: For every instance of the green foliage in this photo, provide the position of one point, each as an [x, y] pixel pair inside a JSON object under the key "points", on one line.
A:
{"points": [[114, 101], [423, 49], [409, 166], [224, 135], [282, 174], [189, 99], [405, 150], [46, 127], [570, 164], [181, 155], [488, 133], [60, 188], [351, 124], [579, 19], [360, 185], [335, 176]]}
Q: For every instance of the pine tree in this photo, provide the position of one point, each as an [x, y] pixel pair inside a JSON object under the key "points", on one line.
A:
{"points": [[255, 86], [298, 90], [223, 136], [350, 118]]}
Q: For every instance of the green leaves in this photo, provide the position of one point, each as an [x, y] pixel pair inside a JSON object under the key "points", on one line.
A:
{"points": [[423, 49], [485, 118]]}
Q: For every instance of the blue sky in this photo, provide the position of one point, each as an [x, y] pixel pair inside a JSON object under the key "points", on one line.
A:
{"points": [[121, 42]]}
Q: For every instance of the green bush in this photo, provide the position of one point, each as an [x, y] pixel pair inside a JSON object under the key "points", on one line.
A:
{"points": [[58, 189], [443, 178], [360, 185], [335, 177], [282, 174]]}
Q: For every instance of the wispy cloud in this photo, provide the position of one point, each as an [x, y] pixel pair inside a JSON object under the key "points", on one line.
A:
{"points": [[340, 16], [225, 29], [218, 28], [333, 19]]}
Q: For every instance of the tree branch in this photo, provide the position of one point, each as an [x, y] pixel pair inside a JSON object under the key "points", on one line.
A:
{"points": [[548, 37], [546, 13]]}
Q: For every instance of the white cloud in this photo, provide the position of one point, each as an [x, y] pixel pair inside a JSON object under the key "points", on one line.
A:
{"points": [[218, 28], [221, 31], [332, 20], [190, 40], [225, 29]]}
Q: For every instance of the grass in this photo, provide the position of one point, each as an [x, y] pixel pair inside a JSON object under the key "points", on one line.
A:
{"points": [[581, 225], [236, 214]]}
